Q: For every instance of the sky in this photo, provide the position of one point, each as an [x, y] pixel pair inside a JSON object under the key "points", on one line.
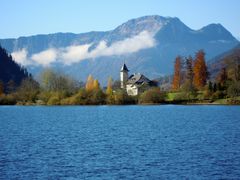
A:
{"points": [[30, 17]]}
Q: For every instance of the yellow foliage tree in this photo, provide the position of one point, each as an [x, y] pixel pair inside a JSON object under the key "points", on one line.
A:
{"points": [[96, 85], [89, 83], [109, 90]]}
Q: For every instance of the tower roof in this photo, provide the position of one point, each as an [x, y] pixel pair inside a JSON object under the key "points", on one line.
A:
{"points": [[124, 68]]}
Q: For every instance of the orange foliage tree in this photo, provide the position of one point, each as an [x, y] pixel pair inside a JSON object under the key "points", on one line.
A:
{"points": [[200, 70], [177, 73]]}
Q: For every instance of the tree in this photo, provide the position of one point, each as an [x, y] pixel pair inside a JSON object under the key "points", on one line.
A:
{"points": [[200, 70], [214, 87], [152, 96], [121, 97], [222, 77], [55, 81], [1, 88], [47, 78], [10, 70], [89, 83], [96, 85], [210, 86], [96, 97], [11, 86], [109, 90], [177, 74], [188, 82], [234, 89], [237, 70], [28, 90], [189, 69]]}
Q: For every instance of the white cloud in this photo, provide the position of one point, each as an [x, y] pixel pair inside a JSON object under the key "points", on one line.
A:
{"points": [[141, 41], [46, 57], [129, 45], [75, 53], [21, 57]]}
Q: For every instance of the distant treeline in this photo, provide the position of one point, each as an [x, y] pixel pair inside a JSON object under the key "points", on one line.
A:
{"points": [[54, 88], [191, 84]]}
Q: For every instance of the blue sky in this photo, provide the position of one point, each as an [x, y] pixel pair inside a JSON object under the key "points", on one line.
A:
{"points": [[29, 17]]}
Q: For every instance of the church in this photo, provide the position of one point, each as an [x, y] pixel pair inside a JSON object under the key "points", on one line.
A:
{"points": [[135, 83]]}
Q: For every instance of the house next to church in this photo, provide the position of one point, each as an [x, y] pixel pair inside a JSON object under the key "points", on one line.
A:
{"points": [[135, 83]]}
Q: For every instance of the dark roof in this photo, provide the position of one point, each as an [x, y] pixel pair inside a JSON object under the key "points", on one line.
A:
{"points": [[124, 68], [138, 79]]}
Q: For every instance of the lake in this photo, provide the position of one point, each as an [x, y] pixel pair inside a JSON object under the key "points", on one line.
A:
{"points": [[120, 142]]}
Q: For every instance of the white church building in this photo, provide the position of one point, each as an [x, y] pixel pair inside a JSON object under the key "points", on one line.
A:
{"points": [[135, 83]]}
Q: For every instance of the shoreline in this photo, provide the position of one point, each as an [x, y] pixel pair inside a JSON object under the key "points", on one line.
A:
{"points": [[144, 104]]}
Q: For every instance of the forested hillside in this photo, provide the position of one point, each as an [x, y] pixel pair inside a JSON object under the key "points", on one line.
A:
{"points": [[11, 74]]}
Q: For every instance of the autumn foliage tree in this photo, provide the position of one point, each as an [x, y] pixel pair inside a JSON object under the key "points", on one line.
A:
{"points": [[177, 74], [90, 83], [109, 90], [200, 70], [96, 85]]}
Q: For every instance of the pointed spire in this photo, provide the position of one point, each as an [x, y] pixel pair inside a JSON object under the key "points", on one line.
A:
{"points": [[124, 68]]}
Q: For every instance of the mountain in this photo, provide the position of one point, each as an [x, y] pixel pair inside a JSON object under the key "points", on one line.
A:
{"points": [[10, 72], [147, 44], [229, 60]]}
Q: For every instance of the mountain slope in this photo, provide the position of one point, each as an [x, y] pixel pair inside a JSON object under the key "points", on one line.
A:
{"points": [[228, 60], [147, 44], [10, 70]]}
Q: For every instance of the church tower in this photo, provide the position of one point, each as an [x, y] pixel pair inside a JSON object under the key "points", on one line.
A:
{"points": [[124, 75]]}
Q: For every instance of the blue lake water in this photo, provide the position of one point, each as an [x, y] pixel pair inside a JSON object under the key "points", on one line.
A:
{"points": [[120, 142]]}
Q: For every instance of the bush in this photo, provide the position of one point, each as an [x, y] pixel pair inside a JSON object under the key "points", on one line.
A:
{"points": [[96, 97], [44, 96], [110, 99], [207, 94], [185, 96], [9, 99], [54, 100], [188, 87], [28, 90], [234, 89], [181, 96], [152, 96], [83, 97], [218, 95], [121, 97]]}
